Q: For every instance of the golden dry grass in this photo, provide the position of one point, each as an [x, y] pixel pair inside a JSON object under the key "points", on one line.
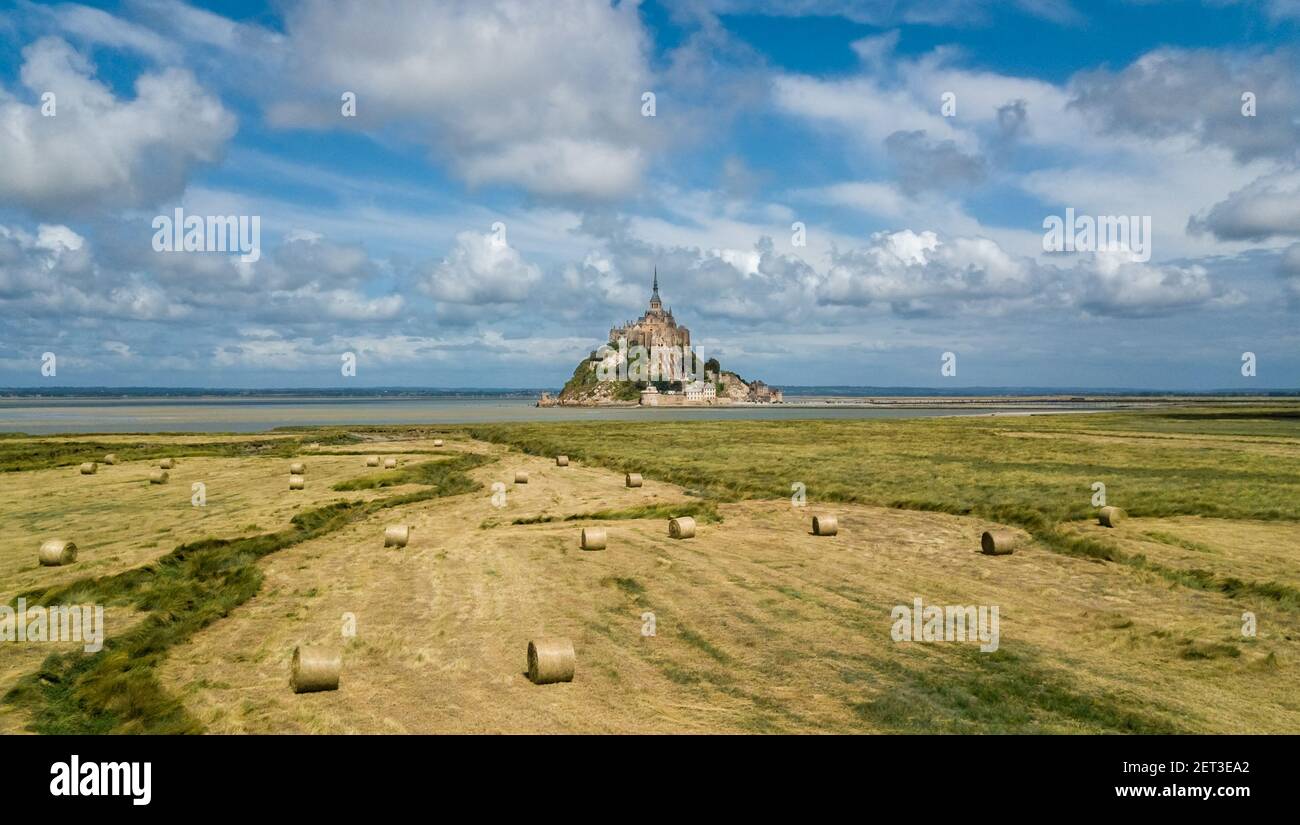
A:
{"points": [[1249, 550], [120, 521], [760, 626]]}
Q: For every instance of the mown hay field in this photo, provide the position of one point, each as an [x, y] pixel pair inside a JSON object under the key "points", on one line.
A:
{"points": [[753, 625]]}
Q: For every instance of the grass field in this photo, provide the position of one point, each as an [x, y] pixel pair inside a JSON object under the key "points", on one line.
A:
{"points": [[759, 626]]}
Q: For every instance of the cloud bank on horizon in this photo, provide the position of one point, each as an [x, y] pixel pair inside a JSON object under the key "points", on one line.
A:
{"points": [[471, 192]]}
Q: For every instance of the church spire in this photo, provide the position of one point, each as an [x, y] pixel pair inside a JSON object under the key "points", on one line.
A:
{"points": [[654, 295]]}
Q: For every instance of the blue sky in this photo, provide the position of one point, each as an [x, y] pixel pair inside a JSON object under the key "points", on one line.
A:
{"points": [[923, 226]]}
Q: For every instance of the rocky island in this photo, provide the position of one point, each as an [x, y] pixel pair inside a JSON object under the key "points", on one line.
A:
{"points": [[650, 362]]}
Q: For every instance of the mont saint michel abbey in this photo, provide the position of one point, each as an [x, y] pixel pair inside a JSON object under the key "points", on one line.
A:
{"points": [[656, 328], [677, 375]]}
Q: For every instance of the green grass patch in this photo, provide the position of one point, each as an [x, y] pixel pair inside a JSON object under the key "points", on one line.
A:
{"points": [[1005, 692], [627, 584], [703, 511], [1177, 541], [45, 455], [447, 475], [981, 466]]}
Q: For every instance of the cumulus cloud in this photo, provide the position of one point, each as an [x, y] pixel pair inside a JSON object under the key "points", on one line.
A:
{"points": [[916, 272], [1269, 207], [100, 150], [545, 96], [306, 281], [482, 269], [32, 262], [1198, 93], [751, 285], [1106, 142], [304, 265], [1115, 283], [920, 273]]}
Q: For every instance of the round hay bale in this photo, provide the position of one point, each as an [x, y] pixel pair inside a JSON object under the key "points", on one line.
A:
{"points": [[1111, 516], [55, 552], [111, 458], [297, 483], [437, 442], [158, 477], [561, 461], [521, 477], [167, 463], [373, 461], [825, 525], [551, 661], [682, 528], [593, 538], [999, 542], [297, 468], [390, 463], [632, 479], [397, 535], [315, 668], [89, 468]]}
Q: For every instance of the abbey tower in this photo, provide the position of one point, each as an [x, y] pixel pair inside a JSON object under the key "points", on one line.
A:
{"points": [[656, 328]]}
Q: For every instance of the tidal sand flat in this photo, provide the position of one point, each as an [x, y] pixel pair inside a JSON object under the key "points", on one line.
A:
{"points": [[52, 416]]}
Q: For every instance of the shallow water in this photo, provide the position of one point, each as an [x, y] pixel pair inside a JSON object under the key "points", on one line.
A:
{"points": [[40, 416]]}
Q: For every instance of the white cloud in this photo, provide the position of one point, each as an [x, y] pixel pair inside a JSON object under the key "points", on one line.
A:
{"points": [[1267, 208], [101, 28], [545, 96], [919, 272], [1114, 283], [1197, 93], [863, 108], [481, 269], [99, 150]]}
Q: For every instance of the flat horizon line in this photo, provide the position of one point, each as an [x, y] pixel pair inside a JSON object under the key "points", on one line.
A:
{"points": [[802, 390]]}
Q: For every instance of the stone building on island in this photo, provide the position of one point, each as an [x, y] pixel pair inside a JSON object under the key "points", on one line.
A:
{"points": [[650, 361], [656, 328]]}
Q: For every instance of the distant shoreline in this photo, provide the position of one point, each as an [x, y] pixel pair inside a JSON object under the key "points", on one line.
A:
{"points": [[795, 396], [38, 416]]}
